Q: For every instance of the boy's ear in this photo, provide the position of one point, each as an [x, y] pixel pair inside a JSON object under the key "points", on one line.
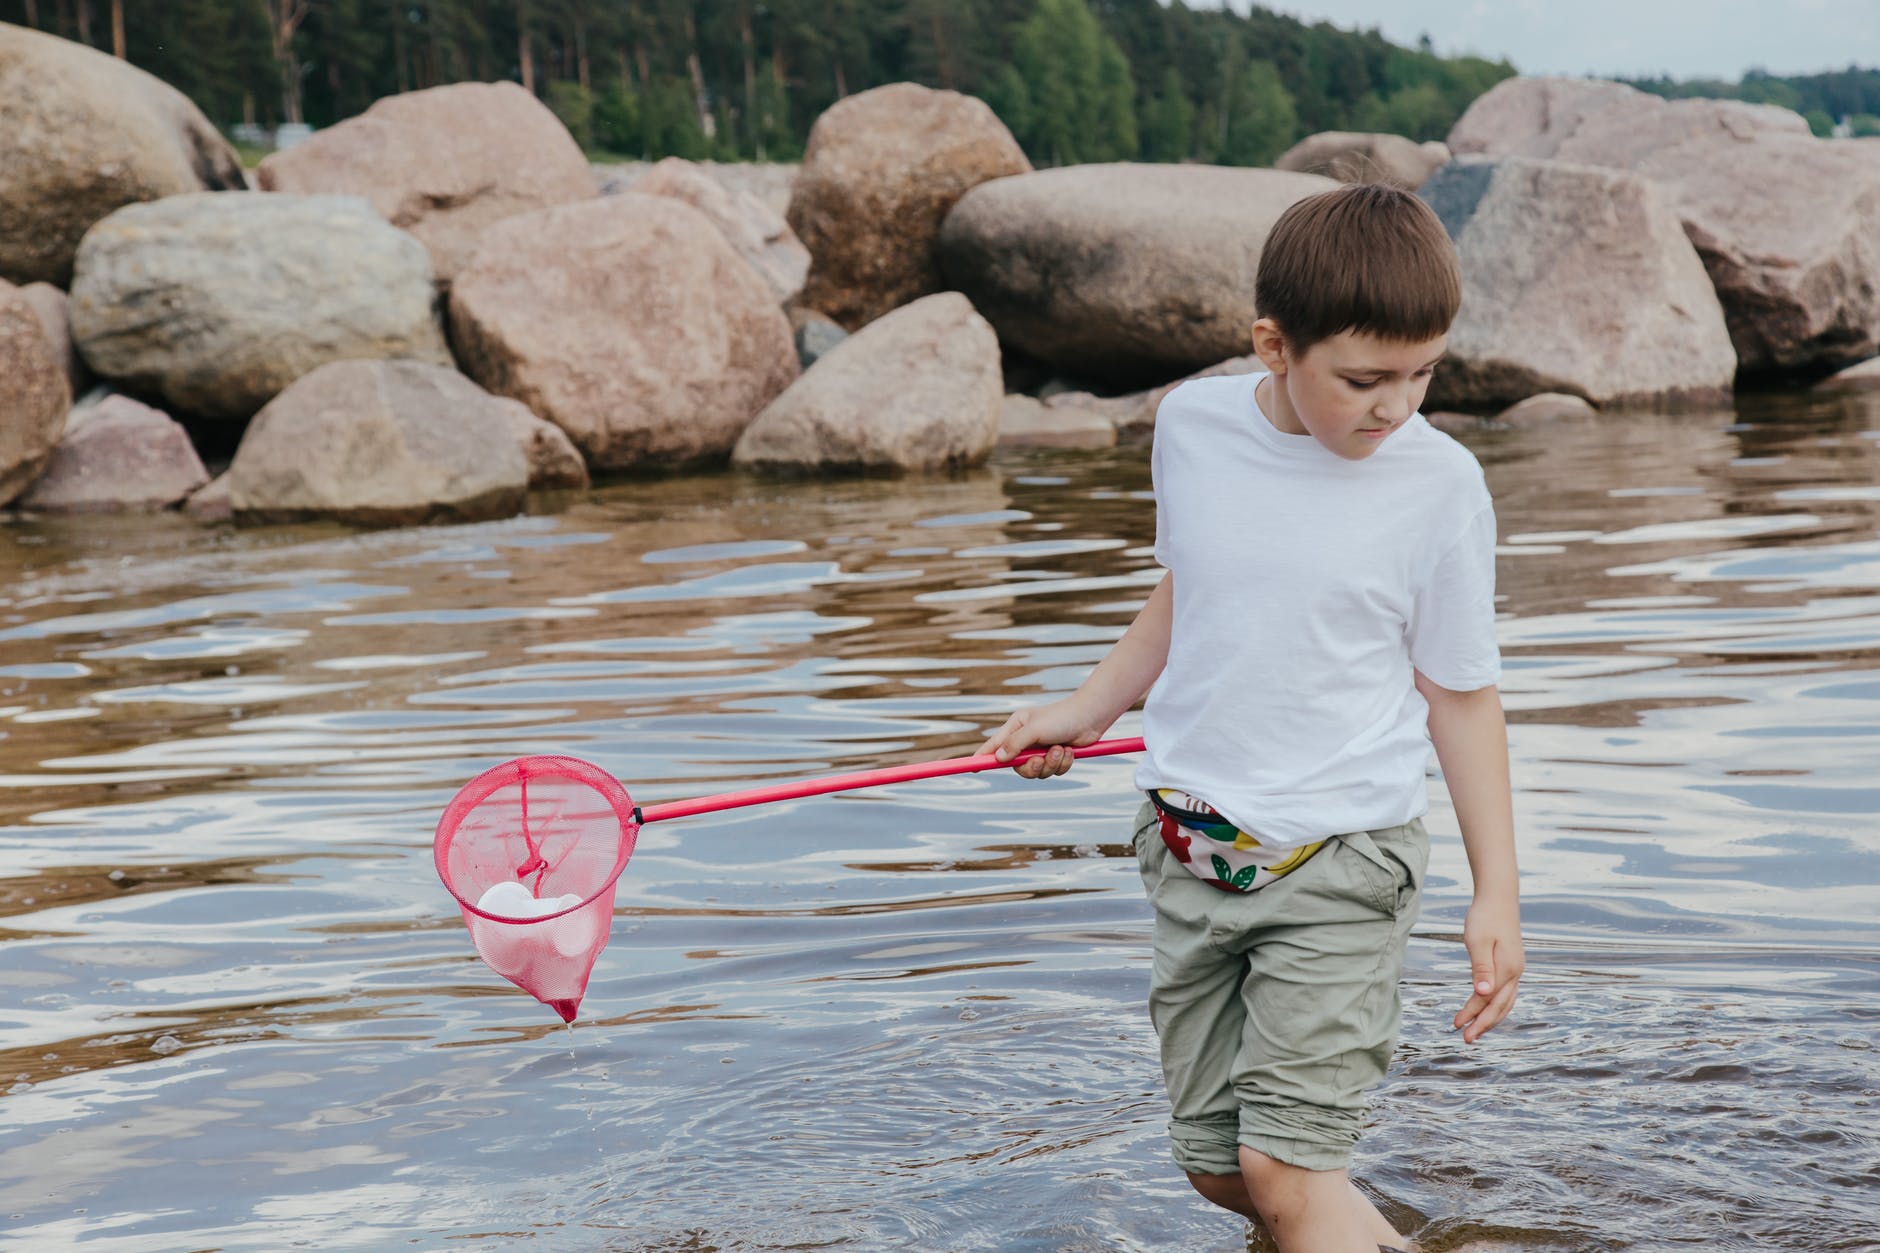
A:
{"points": [[1269, 344]]}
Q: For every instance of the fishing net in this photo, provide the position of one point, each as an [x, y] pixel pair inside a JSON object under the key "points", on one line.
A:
{"points": [[532, 851]]}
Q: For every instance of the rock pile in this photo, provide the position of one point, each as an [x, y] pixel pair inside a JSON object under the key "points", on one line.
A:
{"points": [[436, 307]]}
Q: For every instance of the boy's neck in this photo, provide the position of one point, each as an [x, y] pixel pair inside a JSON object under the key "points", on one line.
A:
{"points": [[1276, 407]]}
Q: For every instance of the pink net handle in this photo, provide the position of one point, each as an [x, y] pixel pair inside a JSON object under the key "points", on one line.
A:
{"points": [[518, 774]]}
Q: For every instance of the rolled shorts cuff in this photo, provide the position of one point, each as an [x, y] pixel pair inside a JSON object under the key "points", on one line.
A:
{"points": [[1310, 1140], [1206, 1146]]}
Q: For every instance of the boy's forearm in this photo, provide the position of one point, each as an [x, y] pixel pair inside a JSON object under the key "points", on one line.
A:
{"points": [[1471, 738], [1131, 667]]}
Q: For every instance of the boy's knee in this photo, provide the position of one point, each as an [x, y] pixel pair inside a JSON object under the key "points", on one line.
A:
{"points": [[1271, 1183]]}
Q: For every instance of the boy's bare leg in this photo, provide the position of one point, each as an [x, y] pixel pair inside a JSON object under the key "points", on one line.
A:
{"points": [[1351, 1213]]}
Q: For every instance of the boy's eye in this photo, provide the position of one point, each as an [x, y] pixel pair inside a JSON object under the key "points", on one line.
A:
{"points": [[1363, 385]]}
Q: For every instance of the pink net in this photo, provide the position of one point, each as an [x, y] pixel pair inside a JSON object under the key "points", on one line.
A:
{"points": [[532, 850]]}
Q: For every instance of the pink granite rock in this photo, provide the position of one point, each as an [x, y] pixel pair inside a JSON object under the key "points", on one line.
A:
{"points": [[125, 457], [628, 322], [445, 163], [83, 134], [916, 389], [1786, 223], [880, 172], [34, 394]]}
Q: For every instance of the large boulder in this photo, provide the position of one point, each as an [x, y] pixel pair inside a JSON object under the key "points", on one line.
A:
{"points": [[917, 389], [1786, 223], [445, 163], [758, 232], [1130, 273], [629, 323], [880, 172], [382, 443], [125, 457], [1575, 279], [83, 134], [34, 394], [217, 302], [1358, 157]]}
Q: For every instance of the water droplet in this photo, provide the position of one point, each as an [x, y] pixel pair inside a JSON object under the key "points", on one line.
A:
{"points": [[117, 876], [165, 1044], [969, 1015]]}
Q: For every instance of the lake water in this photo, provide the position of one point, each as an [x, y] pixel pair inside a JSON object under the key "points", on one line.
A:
{"points": [[237, 1010]]}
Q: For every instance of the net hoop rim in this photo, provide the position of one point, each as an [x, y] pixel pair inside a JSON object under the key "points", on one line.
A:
{"points": [[512, 772]]}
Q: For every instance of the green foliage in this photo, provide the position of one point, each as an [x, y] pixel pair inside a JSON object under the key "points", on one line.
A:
{"points": [[574, 105], [1820, 123], [616, 121], [1167, 122], [1261, 119], [1076, 80], [1078, 98], [1863, 125]]}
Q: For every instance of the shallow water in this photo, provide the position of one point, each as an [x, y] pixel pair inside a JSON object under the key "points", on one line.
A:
{"points": [[238, 1012]]}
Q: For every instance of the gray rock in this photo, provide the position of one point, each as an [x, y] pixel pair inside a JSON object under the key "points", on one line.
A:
{"points": [[125, 458], [445, 163], [555, 464], [382, 443], [1784, 222], [1863, 375], [1132, 415], [1122, 272], [1575, 279], [1028, 423], [1546, 407], [628, 322], [1359, 157], [83, 134], [34, 394], [217, 302], [211, 503], [760, 235], [816, 336], [769, 183], [917, 389], [880, 172]]}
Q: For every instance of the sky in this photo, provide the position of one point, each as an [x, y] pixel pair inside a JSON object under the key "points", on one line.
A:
{"points": [[1621, 38]]}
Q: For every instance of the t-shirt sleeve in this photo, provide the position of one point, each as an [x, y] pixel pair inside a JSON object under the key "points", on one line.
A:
{"points": [[1452, 630]]}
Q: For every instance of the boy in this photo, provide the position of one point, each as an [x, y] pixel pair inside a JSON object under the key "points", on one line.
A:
{"points": [[1326, 614]]}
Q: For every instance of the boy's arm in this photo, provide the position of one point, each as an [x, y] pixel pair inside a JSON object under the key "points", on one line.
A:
{"points": [[1471, 738], [1127, 671]]}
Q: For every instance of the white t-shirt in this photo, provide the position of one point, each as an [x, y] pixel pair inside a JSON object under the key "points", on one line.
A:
{"points": [[1306, 588]]}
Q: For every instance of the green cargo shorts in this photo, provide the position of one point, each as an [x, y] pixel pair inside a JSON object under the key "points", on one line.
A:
{"points": [[1277, 1010]]}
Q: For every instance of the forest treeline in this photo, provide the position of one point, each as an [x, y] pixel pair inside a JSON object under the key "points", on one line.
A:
{"points": [[1076, 80], [1850, 96]]}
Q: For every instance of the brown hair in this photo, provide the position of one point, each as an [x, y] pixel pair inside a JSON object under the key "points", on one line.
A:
{"points": [[1367, 257]]}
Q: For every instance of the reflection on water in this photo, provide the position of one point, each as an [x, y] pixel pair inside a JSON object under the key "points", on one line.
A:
{"points": [[236, 1010]]}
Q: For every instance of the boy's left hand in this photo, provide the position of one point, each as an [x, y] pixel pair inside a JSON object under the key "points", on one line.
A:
{"points": [[1492, 935]]}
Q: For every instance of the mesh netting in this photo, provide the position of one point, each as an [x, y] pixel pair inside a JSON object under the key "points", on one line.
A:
{"points": [[532, 850]]}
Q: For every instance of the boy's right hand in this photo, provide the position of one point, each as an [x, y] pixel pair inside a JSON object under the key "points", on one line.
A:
{"points": [[1059, 725]]}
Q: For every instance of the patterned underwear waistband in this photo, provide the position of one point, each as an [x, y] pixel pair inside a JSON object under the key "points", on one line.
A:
{"points": [[1216, 851]]}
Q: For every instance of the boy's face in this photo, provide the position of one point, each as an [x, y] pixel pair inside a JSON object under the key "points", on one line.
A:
{"points": [[1350, 392]]}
